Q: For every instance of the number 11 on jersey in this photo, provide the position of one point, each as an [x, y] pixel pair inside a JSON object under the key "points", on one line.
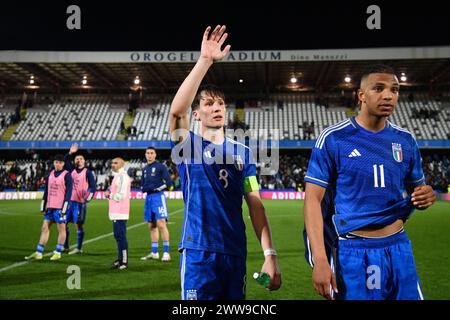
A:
{"points": [[375, 176]]}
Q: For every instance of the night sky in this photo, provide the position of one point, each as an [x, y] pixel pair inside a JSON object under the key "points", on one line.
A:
{"points": [[166, 25]]}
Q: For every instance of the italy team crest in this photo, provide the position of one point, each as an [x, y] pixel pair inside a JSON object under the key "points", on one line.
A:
{"points": [[238, 162], [397, 152]]}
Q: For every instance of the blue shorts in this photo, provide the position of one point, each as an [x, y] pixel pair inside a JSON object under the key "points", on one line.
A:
{"points": [[155, 207], [76, 213], [377, 269], [54, 215], [209, 275]]}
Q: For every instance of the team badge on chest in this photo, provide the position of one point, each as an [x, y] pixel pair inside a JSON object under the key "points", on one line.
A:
{"points": [[238, 162], [397, 152]]}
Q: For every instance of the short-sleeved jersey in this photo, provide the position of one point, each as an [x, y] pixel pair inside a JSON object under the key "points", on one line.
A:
{"points": [[370, 172], [212, 180]]}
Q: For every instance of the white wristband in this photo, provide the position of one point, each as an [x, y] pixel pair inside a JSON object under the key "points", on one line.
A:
{"points": [[270, 252]]}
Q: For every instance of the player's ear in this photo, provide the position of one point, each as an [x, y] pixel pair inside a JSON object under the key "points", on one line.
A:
{"points": [[361, 96], [196, 115]]}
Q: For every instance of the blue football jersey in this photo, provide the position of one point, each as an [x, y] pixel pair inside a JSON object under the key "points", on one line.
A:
{"points": [[212, 180], [154, 176], [370, 172]]}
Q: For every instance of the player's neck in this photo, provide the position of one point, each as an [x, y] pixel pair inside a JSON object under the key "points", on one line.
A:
{"points": [[214, 135], [371, 123], [150, 162]]}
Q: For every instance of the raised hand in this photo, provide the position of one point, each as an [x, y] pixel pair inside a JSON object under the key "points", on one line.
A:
{"points": [[73, 148], [212, 43]]}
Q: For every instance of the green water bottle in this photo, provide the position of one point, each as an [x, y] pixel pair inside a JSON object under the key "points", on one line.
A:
{"points": [[262, 278]]}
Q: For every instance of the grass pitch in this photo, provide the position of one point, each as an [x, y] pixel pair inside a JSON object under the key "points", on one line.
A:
{"points": [[20, 223]]}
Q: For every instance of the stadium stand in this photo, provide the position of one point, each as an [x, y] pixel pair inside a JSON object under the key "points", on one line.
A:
{"points": [[152, 122], [297, 116], [5, 120], [297, 112], [425, 118], [9, 113], [293, 114], [72, 118]]}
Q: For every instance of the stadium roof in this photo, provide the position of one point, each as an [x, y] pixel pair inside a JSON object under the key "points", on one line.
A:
{"points": [[252, 77], [252, 25]]}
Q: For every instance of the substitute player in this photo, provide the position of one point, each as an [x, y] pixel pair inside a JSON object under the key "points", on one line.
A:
{"points": [[375, 169], [84, 187], [55, 203], [119, 210], [213, 241], [155, 179]]}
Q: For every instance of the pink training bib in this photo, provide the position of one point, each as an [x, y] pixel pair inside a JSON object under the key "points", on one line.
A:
{"points": [[56, 190], [80, 186]]}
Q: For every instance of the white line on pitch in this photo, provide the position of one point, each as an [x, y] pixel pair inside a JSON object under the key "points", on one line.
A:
{"points": [[18, 264]]}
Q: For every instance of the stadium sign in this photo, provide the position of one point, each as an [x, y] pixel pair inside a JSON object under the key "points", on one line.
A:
{"points": [[23, 56], [25, 195], [238, 56], [282, 195], [138, 195]]}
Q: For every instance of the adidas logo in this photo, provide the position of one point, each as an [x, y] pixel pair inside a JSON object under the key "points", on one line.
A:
{"points": [[355, 153]]}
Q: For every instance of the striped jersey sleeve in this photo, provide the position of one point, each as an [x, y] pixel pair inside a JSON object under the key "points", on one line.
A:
{"points": [[322, 165], [415, 176]]}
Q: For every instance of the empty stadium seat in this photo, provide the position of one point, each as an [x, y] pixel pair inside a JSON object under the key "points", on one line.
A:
{"points": [[95, 117], [73, 118]]}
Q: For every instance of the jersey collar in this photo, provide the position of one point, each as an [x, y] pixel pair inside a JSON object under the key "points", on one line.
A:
{"points": [[357, 126]]}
